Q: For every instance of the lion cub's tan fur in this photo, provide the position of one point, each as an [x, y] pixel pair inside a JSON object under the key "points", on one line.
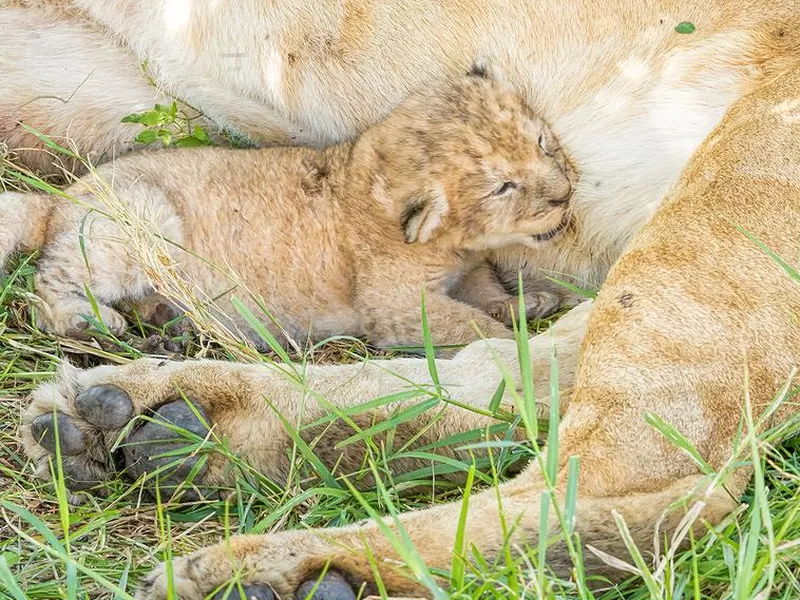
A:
{"points": [[335, 241]]}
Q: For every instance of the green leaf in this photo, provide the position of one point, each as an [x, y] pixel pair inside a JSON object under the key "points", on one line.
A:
{"points": [[430, 354], [579, 291], [48, 141], [544, 519], [148, 136], [455, 465], [460, 548], [201, 134], [527, 404], [29, 518], [72, 581], [553, 421], [677, 439], [367, 406], [636, 555], [572, 494], [494, 404], [152, 118], [260, 330], [189, 142], [685, 27], [165, 136], [134, 118], [403, 416], [39, 184], [790, 271], [9, 581], [305, 451]]}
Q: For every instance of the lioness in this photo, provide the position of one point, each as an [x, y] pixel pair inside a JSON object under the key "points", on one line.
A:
{"points": [[646, 350], [630, 98], [340, 241]]}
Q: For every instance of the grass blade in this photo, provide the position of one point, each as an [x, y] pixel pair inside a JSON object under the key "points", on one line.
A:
{"points": [[430, 354], [678, 440], [459, 549]]}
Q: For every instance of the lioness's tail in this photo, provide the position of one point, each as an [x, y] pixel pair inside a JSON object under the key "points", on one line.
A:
{"points": [[24, 220]]}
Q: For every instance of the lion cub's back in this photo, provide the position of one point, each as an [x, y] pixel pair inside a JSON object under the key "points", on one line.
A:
{"points": [[273, 215], [232, 195]]}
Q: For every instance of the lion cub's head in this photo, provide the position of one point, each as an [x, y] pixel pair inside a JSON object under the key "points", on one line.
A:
{"points": [[469, 164]]}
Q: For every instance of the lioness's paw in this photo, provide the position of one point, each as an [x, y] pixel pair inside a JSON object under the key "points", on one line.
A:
{"points": [[256, 591], [193, 578], [89, 421]]}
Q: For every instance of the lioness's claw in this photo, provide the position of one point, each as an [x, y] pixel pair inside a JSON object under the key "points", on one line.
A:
{"points": [[48, 429], [332, 587]]}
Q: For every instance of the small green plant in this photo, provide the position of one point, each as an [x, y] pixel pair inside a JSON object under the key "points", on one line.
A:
{"points": [[169, 125]]}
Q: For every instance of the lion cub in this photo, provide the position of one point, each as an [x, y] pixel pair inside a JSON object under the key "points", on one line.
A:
{"points": [[341, 240]]}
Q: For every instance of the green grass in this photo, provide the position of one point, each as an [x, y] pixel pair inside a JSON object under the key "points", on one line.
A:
{"points": [[101, 548], [50, 549]]}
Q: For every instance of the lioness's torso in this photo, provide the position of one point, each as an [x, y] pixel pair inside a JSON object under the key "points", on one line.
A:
{"points": [[629, 96]]}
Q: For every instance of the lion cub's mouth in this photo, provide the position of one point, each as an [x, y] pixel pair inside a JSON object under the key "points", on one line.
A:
{"points": [[549, 235]]}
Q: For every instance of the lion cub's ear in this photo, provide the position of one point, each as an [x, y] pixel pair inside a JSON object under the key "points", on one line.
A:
{"points": [[422, 216]]}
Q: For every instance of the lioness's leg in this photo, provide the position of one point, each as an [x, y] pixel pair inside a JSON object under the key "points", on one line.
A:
{"points": [[687, 312], [71, 82], [241, 401]]}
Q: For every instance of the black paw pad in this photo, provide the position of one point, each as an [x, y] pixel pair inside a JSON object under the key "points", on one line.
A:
{"points": [[70, 438], [80, 474], [256, 591], [332, 587], [158, 443], [105, 406]]}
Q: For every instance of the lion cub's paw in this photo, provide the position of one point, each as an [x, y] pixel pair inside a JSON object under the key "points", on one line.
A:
{"points": [[538, 305], [72, 318]]}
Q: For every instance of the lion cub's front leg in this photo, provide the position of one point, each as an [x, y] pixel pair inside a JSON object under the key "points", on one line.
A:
{"points": [[450, 322], [483, 289]]}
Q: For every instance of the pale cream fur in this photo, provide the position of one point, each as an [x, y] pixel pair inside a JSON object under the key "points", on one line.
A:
{"points": [[341, 241]]}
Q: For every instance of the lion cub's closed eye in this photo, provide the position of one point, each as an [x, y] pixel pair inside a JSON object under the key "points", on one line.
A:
{"points": [[335, 241]]}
